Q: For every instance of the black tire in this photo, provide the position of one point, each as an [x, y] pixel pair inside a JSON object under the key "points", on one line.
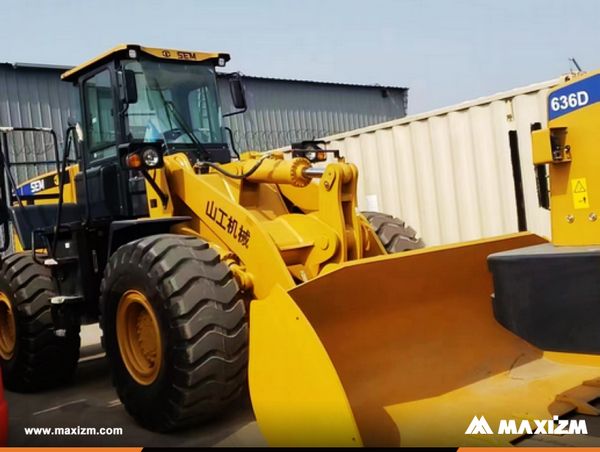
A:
{"points": [[395, 235], [40, 360], [202, 324]]}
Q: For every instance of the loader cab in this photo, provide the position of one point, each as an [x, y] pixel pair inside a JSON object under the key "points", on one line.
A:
{"points": [[134, 96], [136, 102]]}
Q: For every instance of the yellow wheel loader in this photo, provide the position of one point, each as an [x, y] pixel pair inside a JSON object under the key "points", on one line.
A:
{"points": [[204, 270], [148, 226]]}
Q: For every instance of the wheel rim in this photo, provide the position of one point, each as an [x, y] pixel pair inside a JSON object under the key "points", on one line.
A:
{"points": [[8, 334], [138, 336]]}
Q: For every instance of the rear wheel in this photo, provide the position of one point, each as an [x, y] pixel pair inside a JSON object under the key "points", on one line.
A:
{"points": [[175, 331], [32, 357], [395, 235]]}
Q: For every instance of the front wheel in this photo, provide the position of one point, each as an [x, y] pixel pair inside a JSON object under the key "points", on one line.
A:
{"points": [[175, 331]]}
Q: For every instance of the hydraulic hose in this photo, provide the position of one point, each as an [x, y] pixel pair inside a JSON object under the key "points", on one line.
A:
{"points": [[236, 176]]}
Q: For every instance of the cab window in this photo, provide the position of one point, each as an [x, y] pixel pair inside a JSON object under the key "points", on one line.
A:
{"points": [[100, 119]]}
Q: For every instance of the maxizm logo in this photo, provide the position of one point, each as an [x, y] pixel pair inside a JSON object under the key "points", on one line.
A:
{"points": [[552, 427]]}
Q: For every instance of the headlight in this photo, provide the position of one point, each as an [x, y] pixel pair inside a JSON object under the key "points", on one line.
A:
{"points": [[315, 156], [150, 157], [311, 156]]}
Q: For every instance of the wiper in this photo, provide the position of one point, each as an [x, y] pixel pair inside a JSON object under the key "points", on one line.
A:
{"points": [[182, 125], [185, 128]]}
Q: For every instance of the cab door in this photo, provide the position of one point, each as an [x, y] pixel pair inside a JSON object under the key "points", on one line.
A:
{"points": [[105, 181]]}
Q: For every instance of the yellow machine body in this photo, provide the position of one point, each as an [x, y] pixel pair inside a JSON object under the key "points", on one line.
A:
{"points": [[371, 349], [69, 193], [569, 146]]}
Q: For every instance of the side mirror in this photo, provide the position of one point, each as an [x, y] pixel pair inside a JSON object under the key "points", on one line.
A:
{"points": [[127, 86], [237, 92]]}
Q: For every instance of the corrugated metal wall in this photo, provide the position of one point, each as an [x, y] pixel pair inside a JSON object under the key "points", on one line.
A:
{"points": [[284, 111], [448, 173], [34, 97]]}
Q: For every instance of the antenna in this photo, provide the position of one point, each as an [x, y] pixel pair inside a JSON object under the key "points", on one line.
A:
{"points": [[574, 61]]}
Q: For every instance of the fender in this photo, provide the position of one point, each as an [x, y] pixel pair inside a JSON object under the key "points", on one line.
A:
{"points": [[125, 231]]}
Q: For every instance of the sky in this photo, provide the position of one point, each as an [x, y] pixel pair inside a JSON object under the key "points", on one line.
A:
{"points": [[444, 51]]}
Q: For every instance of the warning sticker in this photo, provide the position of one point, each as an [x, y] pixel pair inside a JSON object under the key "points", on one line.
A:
{"points": [[580, 193]]}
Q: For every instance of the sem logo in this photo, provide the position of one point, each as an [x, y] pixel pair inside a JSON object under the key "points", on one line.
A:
{"points": [[166, 53], [186, 55], [37, 185], [552, 427]]}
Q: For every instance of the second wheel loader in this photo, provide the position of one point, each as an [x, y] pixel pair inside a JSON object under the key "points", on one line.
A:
{"points": [[203, 270]]}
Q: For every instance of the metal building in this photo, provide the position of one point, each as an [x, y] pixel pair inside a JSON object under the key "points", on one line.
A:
{"points": [[282, 111], [34, 96], [279, 111]]}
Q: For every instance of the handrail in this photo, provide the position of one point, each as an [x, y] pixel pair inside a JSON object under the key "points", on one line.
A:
{"points": [[5, 166]]}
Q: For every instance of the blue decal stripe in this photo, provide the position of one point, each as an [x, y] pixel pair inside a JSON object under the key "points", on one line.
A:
{"points": [[573, 97], [25, 190]]}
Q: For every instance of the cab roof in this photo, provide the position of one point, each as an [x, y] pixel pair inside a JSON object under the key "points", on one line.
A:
{"points": [[133, 51]]}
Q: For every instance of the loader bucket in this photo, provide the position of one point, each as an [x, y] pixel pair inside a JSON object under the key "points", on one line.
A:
{"points": [[403, 350]]}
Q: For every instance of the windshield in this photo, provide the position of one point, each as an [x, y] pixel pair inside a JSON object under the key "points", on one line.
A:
{"points": [[175, 101]]}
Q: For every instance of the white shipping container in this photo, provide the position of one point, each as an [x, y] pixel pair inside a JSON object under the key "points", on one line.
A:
{"points": [[448, 173]]}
